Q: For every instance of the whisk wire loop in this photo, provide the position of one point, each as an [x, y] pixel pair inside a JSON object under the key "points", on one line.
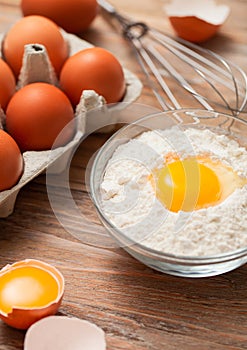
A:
{"points": [[202, 74]]}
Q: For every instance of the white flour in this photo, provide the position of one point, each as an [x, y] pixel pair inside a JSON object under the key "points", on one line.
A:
{"points": [[130, 203]]}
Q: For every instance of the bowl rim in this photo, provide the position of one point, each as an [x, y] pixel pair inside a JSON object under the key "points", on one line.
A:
{"points": [[141, 248]]}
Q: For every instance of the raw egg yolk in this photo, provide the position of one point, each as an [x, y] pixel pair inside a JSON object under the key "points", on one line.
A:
{"points": [[27, 287], [194, 183], [187, 185]]}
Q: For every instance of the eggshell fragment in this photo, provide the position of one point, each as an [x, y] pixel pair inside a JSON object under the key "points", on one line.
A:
{"points": [[196, 20], [22, 317], [64, 333]]}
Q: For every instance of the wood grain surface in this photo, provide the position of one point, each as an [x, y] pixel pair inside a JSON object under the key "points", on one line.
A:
{"points": [[138, 308]]}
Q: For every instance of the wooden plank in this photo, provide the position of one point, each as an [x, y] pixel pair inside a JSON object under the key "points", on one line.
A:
{"points": [[139, 309]]}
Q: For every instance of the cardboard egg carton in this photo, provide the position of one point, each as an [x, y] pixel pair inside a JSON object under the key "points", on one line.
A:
{"points": [[37, 67]]}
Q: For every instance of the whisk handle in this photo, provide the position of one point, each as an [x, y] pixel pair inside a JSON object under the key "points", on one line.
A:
{"points": [[107, 7], [131, 30]]}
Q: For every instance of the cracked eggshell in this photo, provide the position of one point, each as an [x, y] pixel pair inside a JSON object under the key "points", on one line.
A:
{"points": [[196, 20], [13, 278], [64, 333], [37, 66]]}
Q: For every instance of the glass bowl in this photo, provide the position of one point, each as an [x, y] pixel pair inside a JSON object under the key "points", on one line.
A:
{"points": [[179, 265]]}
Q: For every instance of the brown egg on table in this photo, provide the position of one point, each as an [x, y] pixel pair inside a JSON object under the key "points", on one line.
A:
{"points": [[93, 69], [73, 16], [31, 30], [196, 20], [11, 161], [7, 84], [29, 290], [37, 114]]}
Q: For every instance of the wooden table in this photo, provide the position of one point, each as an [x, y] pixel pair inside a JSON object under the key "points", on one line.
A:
{"points": [[137, 307]]}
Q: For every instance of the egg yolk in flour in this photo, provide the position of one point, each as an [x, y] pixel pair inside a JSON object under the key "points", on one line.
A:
{"points": [[194, 183]]}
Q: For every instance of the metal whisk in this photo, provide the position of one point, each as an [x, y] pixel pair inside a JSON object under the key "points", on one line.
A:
{"points": [[206, 77]]}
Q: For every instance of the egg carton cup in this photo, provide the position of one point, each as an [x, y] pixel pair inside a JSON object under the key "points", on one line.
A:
{"points": [[37, 67]]}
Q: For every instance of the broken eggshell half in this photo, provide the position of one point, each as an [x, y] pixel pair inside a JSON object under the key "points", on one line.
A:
{"points": [[196, 20], [29, 290], [64, 333]]}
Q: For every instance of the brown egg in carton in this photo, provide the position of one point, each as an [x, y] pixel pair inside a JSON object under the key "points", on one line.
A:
{"points": [[37, 67]]}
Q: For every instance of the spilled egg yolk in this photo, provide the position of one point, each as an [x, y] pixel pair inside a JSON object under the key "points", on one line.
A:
{"points": [[194, 183], [27, 287]]}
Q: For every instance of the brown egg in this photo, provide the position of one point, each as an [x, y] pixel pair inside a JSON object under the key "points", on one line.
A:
{"points": [[7, 84], [34, 30], [93, 69], [74, 15], [11, 161], [37, 114]]}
